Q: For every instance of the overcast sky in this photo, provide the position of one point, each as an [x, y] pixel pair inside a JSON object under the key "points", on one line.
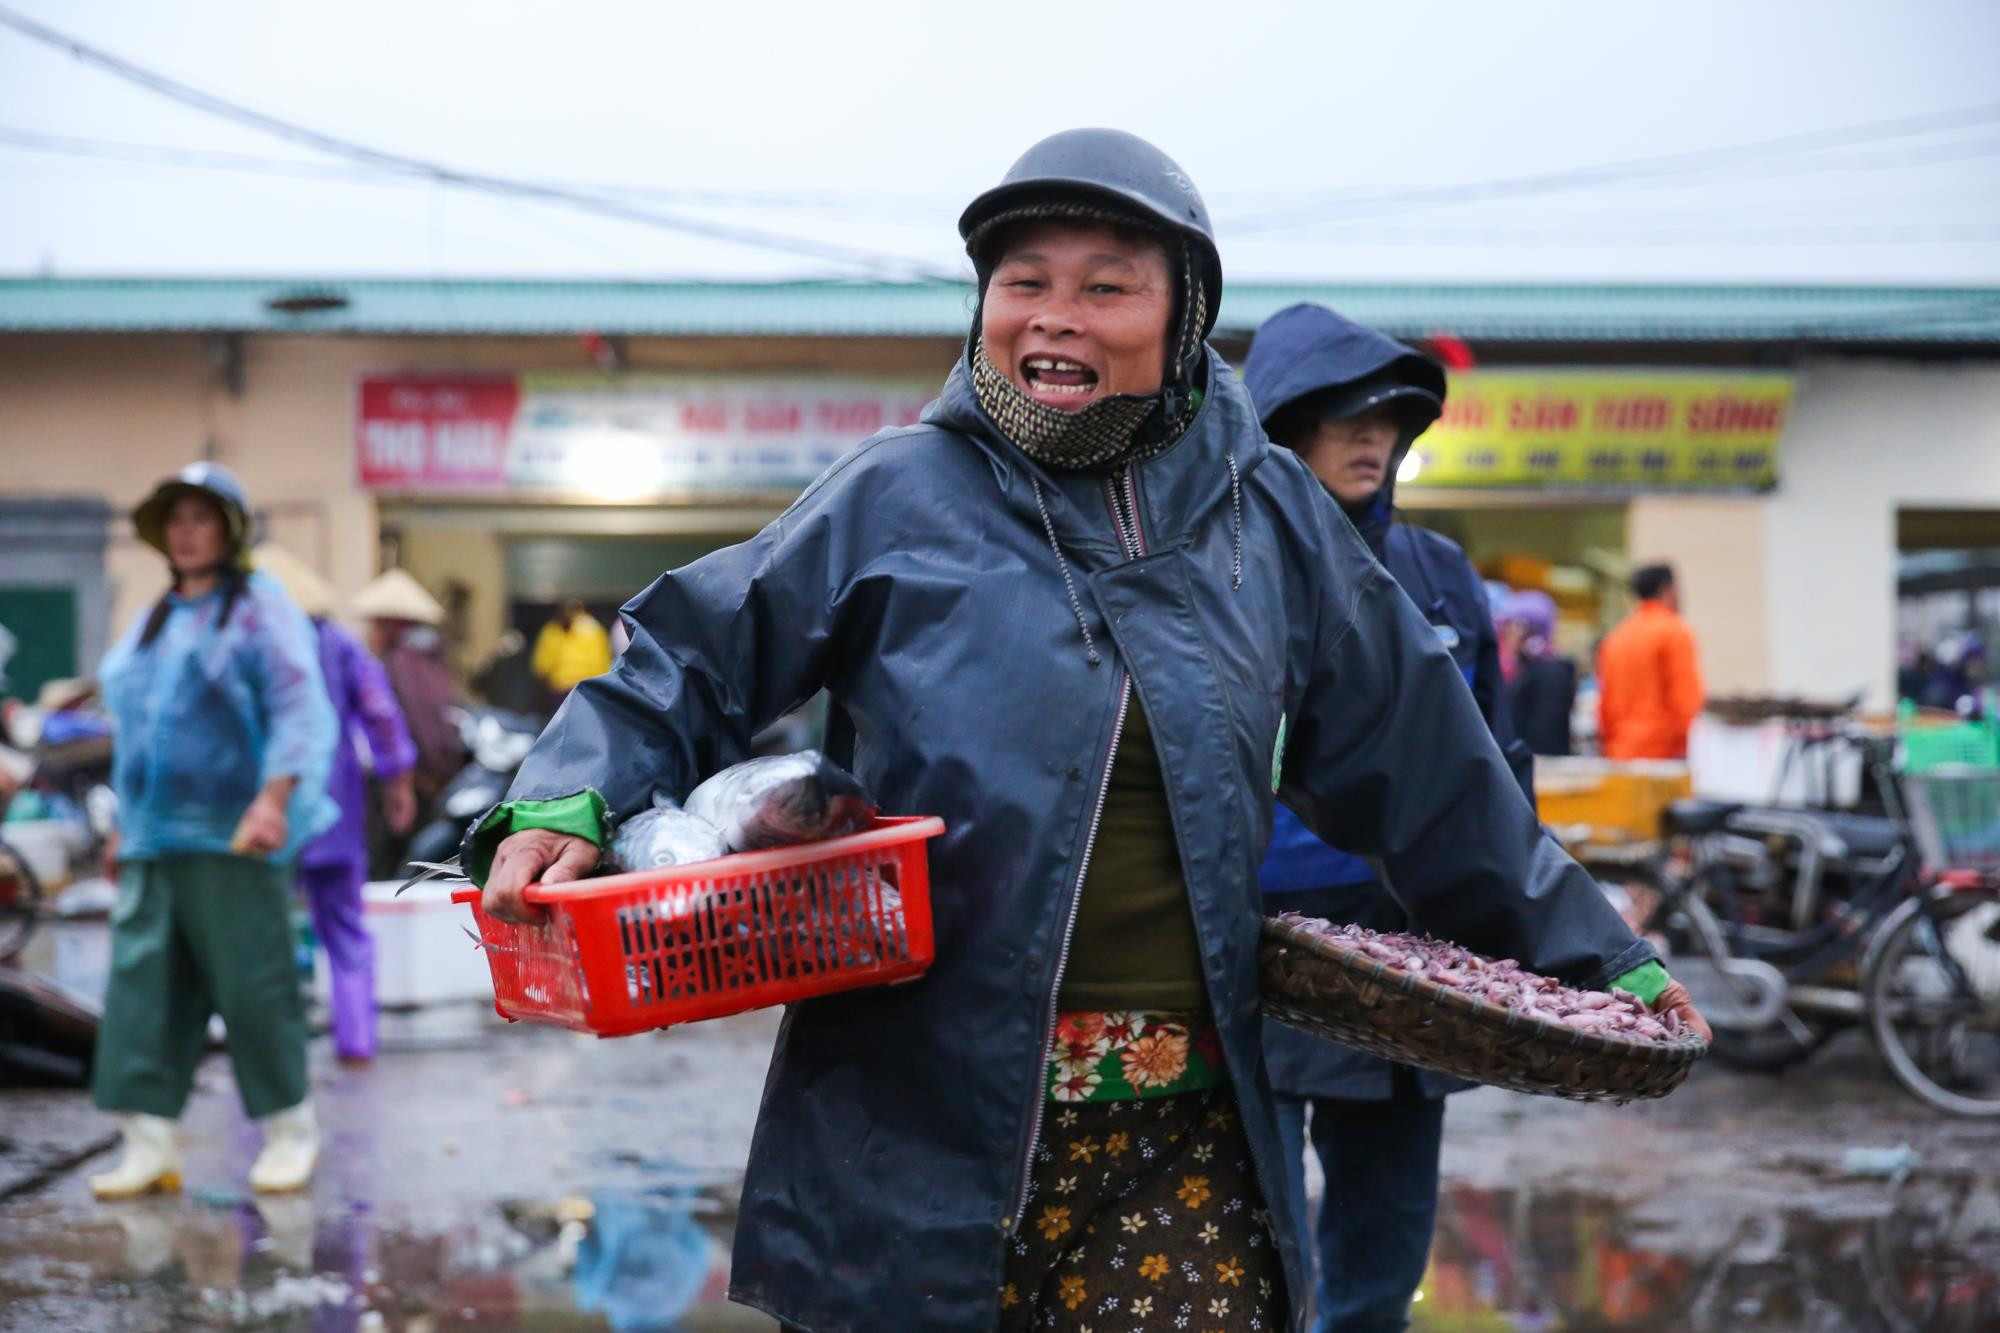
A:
{"points": [[1321, 134]]}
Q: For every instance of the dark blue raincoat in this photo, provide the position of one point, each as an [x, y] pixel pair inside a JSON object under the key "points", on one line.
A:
{"points": [[915, 583], [1300, 351]]}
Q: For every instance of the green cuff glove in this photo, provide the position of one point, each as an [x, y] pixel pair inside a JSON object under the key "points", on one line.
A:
{"points": [[580, 814], [1645, 981]]}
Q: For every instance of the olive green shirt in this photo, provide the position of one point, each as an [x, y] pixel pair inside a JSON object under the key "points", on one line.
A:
{"points": [[1134, 945]]}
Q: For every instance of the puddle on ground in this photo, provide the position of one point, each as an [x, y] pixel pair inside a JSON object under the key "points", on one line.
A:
{"points": [[634, 1261], [1922, 1257]]}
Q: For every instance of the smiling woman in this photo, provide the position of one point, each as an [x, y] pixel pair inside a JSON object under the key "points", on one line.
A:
{"points": [[1078, 313], [1087, 614]]}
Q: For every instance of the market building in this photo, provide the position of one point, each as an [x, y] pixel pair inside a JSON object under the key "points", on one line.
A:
{"points": [[513, 444]]}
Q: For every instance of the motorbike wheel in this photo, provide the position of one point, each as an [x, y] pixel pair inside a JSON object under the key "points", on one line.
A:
{"points": [[1753, 1050], [1767, 1050], [20, 902], [1933, 1002]]}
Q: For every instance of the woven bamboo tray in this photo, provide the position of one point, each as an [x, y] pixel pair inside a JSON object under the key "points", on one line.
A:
{"points": [[1338, 992]]}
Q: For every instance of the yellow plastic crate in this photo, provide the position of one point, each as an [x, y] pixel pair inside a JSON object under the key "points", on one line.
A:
{"points": [[1621, 798]]}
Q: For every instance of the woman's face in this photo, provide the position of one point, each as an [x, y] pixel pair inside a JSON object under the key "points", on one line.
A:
{"points": [[1076, 313], [197, 535], [1352, 456]]}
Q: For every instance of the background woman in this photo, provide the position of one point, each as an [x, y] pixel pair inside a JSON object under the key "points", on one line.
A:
{"points": [[223, 741]]}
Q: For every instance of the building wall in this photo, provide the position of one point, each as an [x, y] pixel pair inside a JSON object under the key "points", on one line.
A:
{"points": [[1716, 546], [1867, 438], [105, 417], [1794, 592]]}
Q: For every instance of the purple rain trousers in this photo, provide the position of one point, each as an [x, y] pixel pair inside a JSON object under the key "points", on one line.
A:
{"points": [[333, 896]]}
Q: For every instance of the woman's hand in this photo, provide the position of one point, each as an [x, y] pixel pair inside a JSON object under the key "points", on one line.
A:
{"points": [[107, 860], [1674, 999], [531, 856], [263, 828]]}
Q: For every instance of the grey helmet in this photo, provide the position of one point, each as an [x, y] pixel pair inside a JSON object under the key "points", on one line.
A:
{"points": [[1132, 181], [212, 480], [1127, 172]]}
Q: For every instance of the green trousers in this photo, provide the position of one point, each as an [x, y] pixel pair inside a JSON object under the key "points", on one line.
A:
{"points": [[195, 935]]}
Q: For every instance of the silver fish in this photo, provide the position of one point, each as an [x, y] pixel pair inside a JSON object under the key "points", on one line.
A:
{"points": [[780, 801], [664, 835]]}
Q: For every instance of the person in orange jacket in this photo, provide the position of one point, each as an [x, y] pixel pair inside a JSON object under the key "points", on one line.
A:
{"points": [[1648, 676]]}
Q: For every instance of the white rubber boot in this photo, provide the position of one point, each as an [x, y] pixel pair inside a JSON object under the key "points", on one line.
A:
{"points": [[291, 1151], [151, 1163]]}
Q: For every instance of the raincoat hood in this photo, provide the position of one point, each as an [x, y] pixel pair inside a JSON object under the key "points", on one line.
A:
{"points": [[1306, 350]]}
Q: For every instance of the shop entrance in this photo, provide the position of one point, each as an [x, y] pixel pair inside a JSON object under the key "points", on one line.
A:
{"points": [[1947, 603], [1574, 552], [509, 568]]}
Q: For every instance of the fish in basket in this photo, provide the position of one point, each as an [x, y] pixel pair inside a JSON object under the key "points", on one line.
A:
{"points": [[648, 949], [1427, 1002]]}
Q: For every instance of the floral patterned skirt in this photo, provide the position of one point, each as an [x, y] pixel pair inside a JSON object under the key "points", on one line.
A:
{"points": [[1144, 1213]]}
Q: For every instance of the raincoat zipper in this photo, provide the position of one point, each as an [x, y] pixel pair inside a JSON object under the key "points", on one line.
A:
{"points": [[1134, 546]]}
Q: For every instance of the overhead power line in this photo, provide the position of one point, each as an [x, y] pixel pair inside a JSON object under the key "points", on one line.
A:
{"points": [[510, 187], [1647, 235], [1648, 229], [111, 150], [1350, 204]]}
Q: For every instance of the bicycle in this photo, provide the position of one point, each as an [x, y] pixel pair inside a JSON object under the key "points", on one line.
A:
{"points": [[1909, 948], [1931, 986]]}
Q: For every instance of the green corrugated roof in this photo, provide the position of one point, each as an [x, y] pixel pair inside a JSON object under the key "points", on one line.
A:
{"points": [[1527, 313]]}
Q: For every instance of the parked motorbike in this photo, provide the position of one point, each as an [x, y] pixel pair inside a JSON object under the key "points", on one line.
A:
{"points": [[498, 742], [47, 1033]]}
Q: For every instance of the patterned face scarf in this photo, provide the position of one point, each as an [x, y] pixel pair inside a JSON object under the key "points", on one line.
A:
{"points": [[1116, 430]]}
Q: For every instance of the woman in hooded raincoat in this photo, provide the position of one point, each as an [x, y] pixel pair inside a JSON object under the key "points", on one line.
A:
{"points": [[224, 738], [1086, 614]]}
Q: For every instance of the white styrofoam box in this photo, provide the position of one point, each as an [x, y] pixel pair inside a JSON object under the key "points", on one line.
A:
{"points": [[82, 955], [1731, 761], [422, 955]]}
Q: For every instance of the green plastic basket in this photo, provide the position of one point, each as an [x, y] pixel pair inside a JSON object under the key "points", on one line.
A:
{"points": [[1957, 745], [1956, 817]]}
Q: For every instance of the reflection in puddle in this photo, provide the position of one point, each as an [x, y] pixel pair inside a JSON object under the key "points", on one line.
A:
{"points": [[628, 1260], [1927, 1261], [1923, 1257]]}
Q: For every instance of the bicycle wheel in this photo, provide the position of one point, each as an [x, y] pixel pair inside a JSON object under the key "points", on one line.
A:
{"points": [[20, 901], [1933, 1003]]}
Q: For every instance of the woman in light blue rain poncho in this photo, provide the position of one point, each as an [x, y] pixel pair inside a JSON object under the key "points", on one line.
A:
{"points": [[224, 737]]}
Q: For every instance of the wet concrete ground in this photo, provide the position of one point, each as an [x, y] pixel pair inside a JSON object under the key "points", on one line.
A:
{"points": [[523, 1178]]}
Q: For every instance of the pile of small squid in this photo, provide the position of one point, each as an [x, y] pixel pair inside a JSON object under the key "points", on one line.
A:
{"points": [[1503, 982]]}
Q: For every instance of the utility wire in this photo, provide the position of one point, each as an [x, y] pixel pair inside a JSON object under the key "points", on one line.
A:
{"points": [[170, 155], [399, 163], [109, 150], [1373, 203], [1649, 230], [1656, 234]]}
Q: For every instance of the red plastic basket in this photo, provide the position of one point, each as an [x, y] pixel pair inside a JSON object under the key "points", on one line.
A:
{"points": [[627, 953]]}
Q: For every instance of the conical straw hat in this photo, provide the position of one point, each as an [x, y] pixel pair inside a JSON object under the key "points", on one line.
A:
{"points": [[396, 596], [300, 583]]}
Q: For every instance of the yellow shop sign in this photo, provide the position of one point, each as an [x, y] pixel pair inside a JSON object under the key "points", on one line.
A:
{"points": [[1653, 430]]}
